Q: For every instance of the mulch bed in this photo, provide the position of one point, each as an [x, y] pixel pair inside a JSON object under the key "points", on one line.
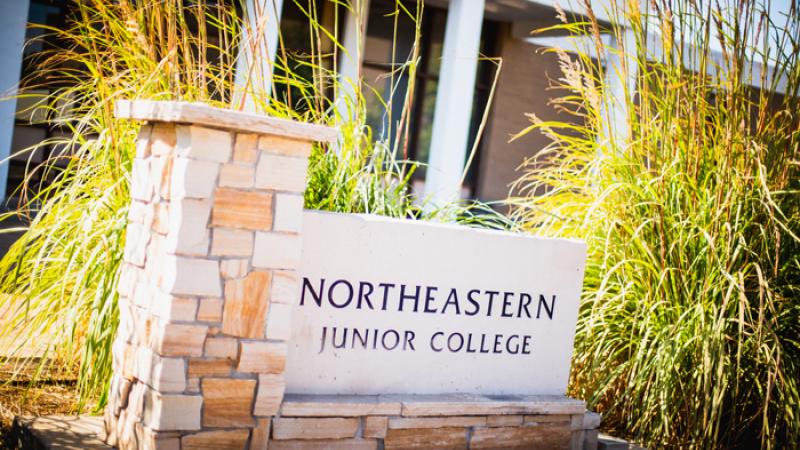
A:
{"points": [[51, 395]]}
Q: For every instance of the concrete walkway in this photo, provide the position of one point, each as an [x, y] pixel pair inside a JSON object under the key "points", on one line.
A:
{"points": [[58, 432]]}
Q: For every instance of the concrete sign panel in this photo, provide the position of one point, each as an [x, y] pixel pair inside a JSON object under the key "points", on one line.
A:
{"points": [[391, 306]]}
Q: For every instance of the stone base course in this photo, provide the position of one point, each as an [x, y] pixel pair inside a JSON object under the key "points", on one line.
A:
{"points": [[86, 432], [386, 421]]}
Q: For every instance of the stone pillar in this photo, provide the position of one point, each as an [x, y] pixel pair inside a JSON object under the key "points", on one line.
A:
{"points": [[213, 243]]}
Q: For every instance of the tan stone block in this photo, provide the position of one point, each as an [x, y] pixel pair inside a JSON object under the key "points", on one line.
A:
{"points": [[146, 328], [193, 178], [315, 405], [460, 404], [547, 418], [436, 422], [203, 143], [227, 402], [222, 347], [136, 239], [288, 212], [158, 440], [260, 436], [190, 276], [181, 339], [143, 141], [526, 437], [375, 426], [277, 251], [162, 374], [235, 175], [576, 422], [314, 428], [591, 420], [155, 173], [193, 385], [188, 233], [216, 440], [229, 242], [162, 139], [284, 146], [426, 438], [164, 412], [576, 439], [127, 321], [128, 277], [269, 396], [590, 438], [173, 308], [281, 173], [114, 403], [263, 357], [109, 433], [141, 188], [245, 149], [126, 432], [504, 421], [156, 263], [210, 310], [246, 305], [242, 209], [137, 211], [324, 444], [124, 358], [160, 219], [160, 176], [145, 296], [285, 287], [279, 322], [234, 268], [209, 367]]}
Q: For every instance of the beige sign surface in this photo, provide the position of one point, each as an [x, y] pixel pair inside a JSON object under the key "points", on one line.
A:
{"points": [[406, 307]]}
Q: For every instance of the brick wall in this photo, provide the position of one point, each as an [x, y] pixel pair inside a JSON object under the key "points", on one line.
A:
{"points": [[523, 87]]}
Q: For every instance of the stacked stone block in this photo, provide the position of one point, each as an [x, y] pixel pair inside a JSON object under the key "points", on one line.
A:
{"points": [[432, 422], [205, 291]]}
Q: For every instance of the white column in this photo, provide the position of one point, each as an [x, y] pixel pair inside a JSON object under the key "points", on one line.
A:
{"points": [[355, 33], [12, 38], [454, 100], [620, 78], [256, 58]]}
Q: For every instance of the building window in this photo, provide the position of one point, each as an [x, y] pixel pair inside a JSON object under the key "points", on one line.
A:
{"points": [[388, 45], [30, 122]]}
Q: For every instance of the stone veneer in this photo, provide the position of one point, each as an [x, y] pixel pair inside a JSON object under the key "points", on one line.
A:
{"points": [[206, 291], [390, 422]]}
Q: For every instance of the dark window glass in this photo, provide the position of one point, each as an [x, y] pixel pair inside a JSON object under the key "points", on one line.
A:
{"points": [[389, 44]]}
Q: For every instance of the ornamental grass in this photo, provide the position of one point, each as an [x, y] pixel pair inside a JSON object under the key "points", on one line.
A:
{"points": [[685, 187]]}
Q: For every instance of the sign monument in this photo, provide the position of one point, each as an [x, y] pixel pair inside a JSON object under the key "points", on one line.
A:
{"points": [[403, 307], [247, 322]]}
